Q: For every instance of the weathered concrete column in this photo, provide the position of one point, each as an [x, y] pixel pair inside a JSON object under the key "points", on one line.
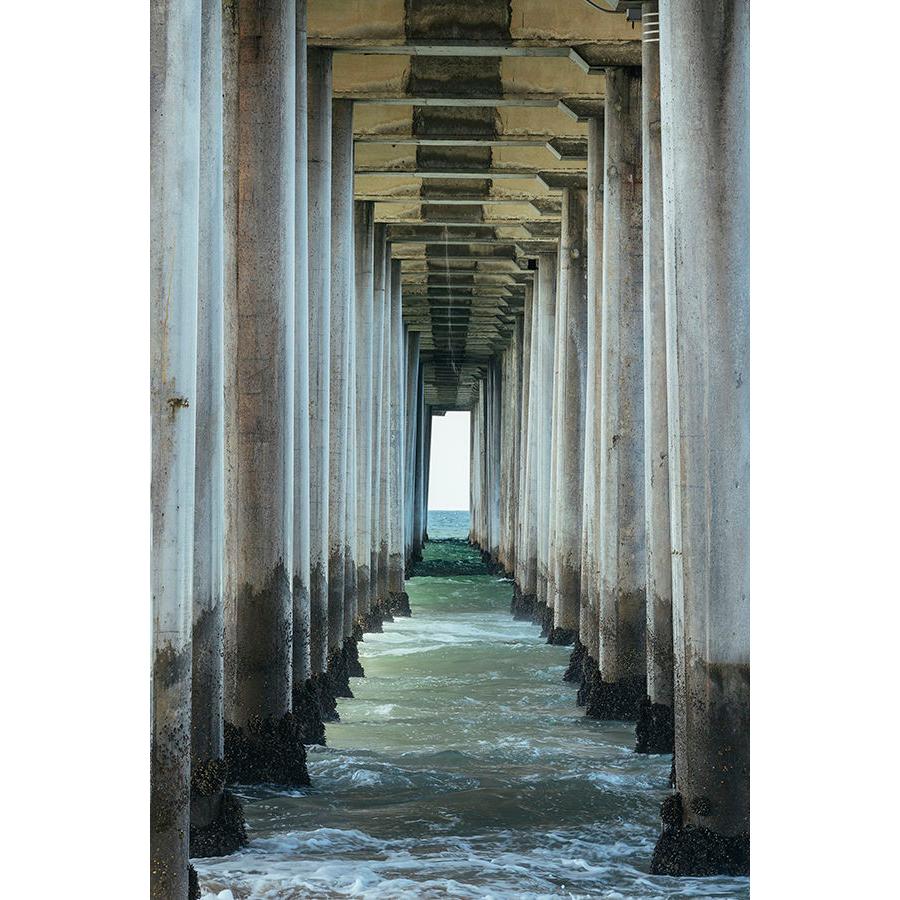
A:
{"points": [[571, 373], [705, 144], [507, 446], [555, 432], [399, 601], [342, 311], [366, 399], [412, 341], [543, 414], [427, 475], [491, 462], [420, 489], [352, 549], [175, 29], [655, 729], [306, 705], [584, 666], [380, 431], [217, 821], [510, 409], [477, 462], [351, 633], [319, 264], [352, 533], [262, 740], [622, 654], [524, 596]]}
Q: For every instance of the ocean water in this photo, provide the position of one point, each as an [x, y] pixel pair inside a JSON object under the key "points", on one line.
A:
{"points": [[448, 523], [462, 768]]}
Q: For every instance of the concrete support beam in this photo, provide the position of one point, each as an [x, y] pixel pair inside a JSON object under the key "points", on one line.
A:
{"points": [[570, 378], [319, 265], [259, 650], [216, 820], [590, 58], [397, 413], [593, 453], [366, 399], [410, 441], [342, 312], [457, 128], [526, 556], [420, 490], [380, 421], [517, 28], [494, 383], [545, 307], [655, 730], [460, 81], [510, 410], [429, 414], [175, 48], [305, 702], [704, 56], [622, 652], [352, 530], [476, 468]]}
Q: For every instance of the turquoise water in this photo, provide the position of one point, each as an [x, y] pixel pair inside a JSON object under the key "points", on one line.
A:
{"points": [[463, 769]]}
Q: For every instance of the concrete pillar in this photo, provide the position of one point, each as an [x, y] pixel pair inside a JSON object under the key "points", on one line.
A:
{"points": [[514, 424], [352, 633], [175, 48], [263, 742], [492, 458], [655, 729], [622, 564], [543, 414], [510, 409], [319, 274], [475, 467], [421, 463], [217, 822], [526, 526], [352, 532], [427, 476], [339, 410], [412, 341], [571, 373], [704, 55], [584, 667], [478, 462], [555, 428], [381, 419], [305, 700], [366, 399], [399, 601], [506, 453]]}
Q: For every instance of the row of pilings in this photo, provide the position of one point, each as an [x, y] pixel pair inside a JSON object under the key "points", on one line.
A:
{"points": [[289, 429], [610, 442]]}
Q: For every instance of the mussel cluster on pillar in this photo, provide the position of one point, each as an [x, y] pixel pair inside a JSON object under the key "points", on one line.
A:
{"points": [[610, 451], [288, 416]]}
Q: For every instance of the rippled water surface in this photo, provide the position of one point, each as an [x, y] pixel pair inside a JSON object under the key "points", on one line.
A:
{"points": [[462, 768]]}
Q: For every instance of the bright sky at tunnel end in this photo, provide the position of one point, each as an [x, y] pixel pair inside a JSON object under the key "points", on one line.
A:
{"points": [[449, 473]]}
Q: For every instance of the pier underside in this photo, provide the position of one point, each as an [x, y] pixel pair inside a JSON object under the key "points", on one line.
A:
{"points": [[366, 216]]}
